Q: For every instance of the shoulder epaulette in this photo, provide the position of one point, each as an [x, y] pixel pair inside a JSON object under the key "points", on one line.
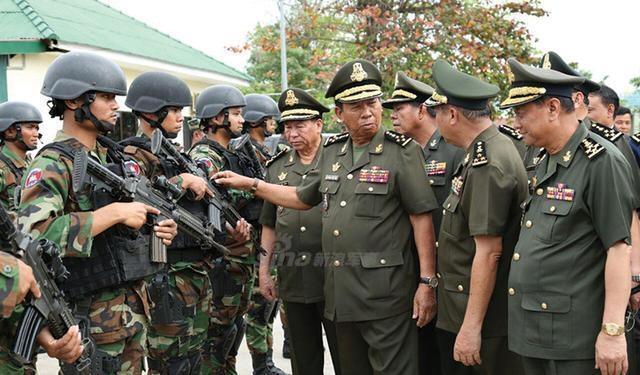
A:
{"points": [[509, 131], [636, 138], [591, 147], [339, 138], [275, 157], [398, 138], [611, 134], [480, 154]]}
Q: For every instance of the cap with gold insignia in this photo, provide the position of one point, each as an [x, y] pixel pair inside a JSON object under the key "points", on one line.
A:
{"points": [[531, 83], [297, 104], [355, 81], [408, 90], [552, 60], [459, 89]]}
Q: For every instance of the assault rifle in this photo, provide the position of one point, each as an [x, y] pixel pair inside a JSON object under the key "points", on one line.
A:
{"points": [[221, 200], [43, 257], [159, 193]]}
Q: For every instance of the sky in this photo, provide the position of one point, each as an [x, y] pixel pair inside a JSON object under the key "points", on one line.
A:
{"points": [[595, 34]]}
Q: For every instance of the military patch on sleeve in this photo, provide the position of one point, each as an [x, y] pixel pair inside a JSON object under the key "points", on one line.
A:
{"points": [[275, 157], [510, 132], [33, 178], [206, 162], [132, 167], [398, 138], [591, 148], [611, 134], [480, 154], [636, 138], [342, 137]]}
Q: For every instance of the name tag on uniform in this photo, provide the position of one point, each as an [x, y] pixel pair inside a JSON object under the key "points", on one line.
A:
{"points": [[376, 175], [436, 168], [331, 177], [560, 192]]}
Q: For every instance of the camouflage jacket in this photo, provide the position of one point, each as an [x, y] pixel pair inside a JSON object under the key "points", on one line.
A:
{"points": [[214, 162], [49, 208], [9, 281], [8, 178]]}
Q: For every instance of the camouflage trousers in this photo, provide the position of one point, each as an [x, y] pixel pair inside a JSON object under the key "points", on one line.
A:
{"points": [[260, 320], [118, 327], [184, 338], [231, 283]]}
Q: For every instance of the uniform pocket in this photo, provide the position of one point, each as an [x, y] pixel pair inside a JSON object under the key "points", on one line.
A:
{"points": [[328, 189], [555, 224], [546, 319], [452, 221], [379, 272], [108, 319], [370, 199]]}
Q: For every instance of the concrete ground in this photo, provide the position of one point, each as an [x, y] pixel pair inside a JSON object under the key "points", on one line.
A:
{"points": [[49, 366]]}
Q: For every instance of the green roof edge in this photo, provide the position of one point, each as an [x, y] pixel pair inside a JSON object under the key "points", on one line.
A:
{"points": [[37, 21]]}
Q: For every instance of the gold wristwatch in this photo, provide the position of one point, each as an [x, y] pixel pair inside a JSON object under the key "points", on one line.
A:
{"points": [[612, 329]]}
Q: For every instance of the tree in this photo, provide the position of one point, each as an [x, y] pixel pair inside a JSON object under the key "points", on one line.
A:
{"points": [[477, 36]]}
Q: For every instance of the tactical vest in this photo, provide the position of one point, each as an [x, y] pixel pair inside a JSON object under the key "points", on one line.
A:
{"points": [[17, 172], [183, 247], [239, 163], [119, 255]]}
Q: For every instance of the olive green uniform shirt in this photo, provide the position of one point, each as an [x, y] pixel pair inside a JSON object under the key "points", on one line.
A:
{"points": [[486, 195], [367, 237], [298, 248], [440, 161], [580, 206]]}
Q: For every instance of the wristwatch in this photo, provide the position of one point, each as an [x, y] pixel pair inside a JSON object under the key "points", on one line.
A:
{"points": [[254, 187], [431, 282], [612, 329]]}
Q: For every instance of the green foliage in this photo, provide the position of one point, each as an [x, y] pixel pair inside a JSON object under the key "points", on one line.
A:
{"points": [[477, 36]]}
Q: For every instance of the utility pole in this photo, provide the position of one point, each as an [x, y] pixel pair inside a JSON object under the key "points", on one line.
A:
{"points": [[283, 47]]}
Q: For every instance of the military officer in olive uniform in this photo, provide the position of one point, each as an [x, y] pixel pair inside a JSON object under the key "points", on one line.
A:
{"points": [[570, 279], [479, 229], [579, 95], [440, 160], [294, 237], [375, 202]]}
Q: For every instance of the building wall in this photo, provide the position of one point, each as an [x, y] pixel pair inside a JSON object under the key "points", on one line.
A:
{"points": [[26, 72]]}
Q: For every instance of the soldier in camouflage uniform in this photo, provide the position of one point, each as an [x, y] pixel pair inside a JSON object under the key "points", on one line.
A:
{"points": [[259, 123], [97, 236], [175, 344], [16, 281], [19, 124], [220, 110]]}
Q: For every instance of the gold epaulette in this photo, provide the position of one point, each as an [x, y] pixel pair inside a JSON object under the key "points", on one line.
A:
{"points": [[591, 147], [275, 157], [611, 134], [339, 138], [398, 138], [509, 131], [480, 154]]}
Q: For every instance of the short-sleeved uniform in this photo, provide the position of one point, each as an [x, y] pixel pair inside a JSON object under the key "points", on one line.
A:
{"points": [[9, 281], [367, 238], [299, 260], [571, 219], [486, 193]]}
